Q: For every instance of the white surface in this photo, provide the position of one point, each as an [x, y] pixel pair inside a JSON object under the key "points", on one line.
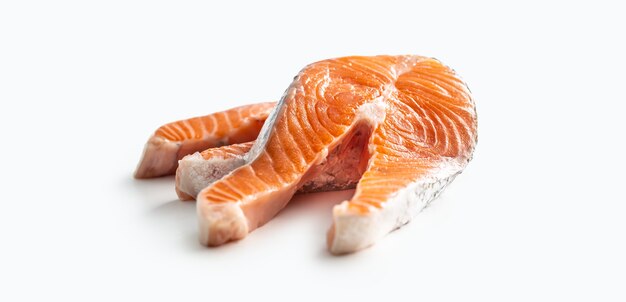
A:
{"points": [[538, 215]]}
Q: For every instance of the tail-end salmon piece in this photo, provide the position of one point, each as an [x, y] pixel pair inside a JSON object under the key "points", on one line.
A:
{"points": [[421, 128], [172, 141]]}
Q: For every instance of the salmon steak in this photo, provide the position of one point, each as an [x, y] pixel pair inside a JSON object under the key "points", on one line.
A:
{"points": [[172, 141], [399, 129]]}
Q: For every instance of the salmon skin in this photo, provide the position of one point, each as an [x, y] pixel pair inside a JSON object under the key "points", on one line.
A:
{"points": [[400, 128]]}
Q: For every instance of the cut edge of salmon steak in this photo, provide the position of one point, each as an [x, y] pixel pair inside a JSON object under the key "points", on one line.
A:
{"points": [[173, 141], [421, 128]]}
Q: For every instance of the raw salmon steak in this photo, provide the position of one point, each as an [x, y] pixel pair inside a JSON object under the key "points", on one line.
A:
{"points": [[172, 141], [399, 128]]}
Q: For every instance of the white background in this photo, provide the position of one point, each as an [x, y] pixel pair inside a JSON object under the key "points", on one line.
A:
{"points": [[539, 215]]}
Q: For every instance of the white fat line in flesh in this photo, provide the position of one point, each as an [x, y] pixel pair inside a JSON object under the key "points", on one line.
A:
{"points": [[233, 187], [325, 82], [214, 123], [290, 136], [203, 132], [457, 135], [187, 125], [273, 167], [425, 116], [443, 129], [281, 149], [179, 131], [238, 111], [465, 108], [228, 195], [394, 72], [434, 81], [168, 131], [421, 142], [227, 119], [452, 117]]}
